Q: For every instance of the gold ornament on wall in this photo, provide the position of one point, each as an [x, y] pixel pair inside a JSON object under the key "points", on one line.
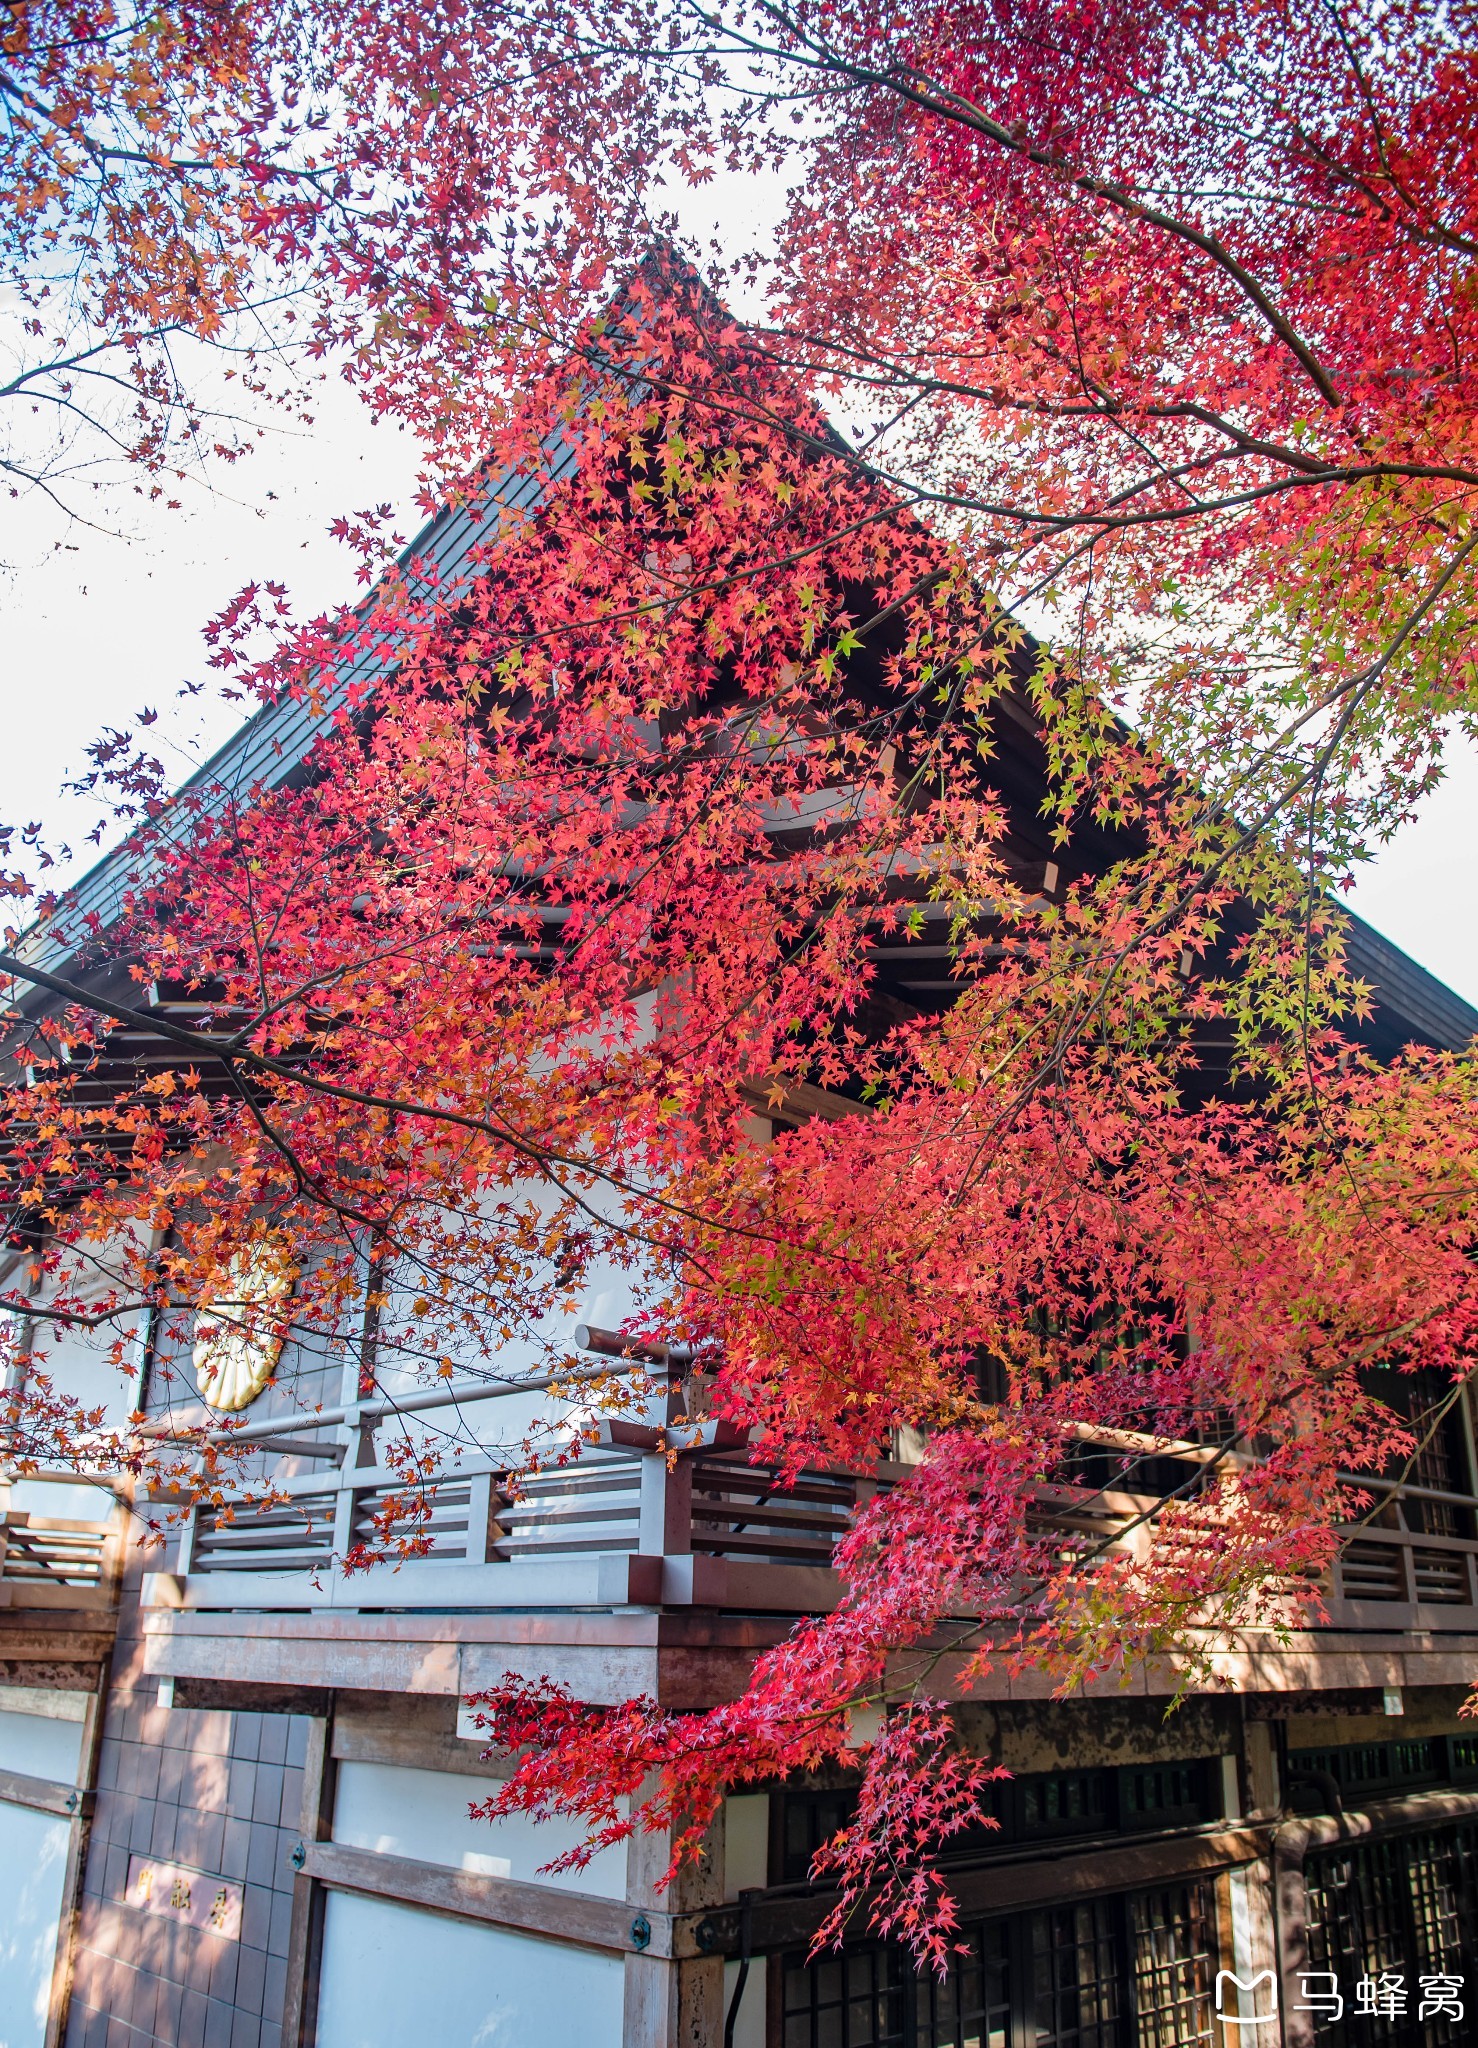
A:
{"points": [[237, 1345]]}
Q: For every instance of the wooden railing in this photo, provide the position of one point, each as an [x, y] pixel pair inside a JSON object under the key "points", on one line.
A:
{"points": [[60, 1562], [665, 1521], [620, 1523], [671, 1514], [1390, 1575]]}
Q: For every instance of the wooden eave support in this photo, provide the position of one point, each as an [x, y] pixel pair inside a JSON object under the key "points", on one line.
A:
{"points": [[800, 1102]]}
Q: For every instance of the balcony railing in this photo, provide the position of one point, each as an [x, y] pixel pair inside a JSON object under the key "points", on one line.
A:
{"points": [[673, 1515], [1391, 1575], [619, 1525], [61, 1561]]}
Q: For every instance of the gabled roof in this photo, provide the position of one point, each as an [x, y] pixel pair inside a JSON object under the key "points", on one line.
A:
{"points": [[1411, 1003], [272, 748]]}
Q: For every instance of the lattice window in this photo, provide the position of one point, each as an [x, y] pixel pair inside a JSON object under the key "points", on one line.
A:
{"points": [[1432, 1869], [1440, 1461], [853, 2000], [1067, 1802], [1109, 1973], [1173, 1967], [1035, 1806], [1406, 1905], [1078, 1976], [1164, 1795], [971, 2007], [1373, 1767]]}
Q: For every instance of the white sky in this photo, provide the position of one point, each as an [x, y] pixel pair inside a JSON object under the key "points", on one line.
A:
{"points": [[97, 624], [94, 626]]}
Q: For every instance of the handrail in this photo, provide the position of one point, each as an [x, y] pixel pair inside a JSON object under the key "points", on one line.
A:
{"points": [[612, 1344], [1143, 1444], [1401, 1489], [105, 1482], [375, 1407]]}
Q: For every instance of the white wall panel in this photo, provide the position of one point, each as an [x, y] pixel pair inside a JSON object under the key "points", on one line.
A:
{"points": [[33, 1862], [746, 1842], [746, 1868], [404, 1812], [397, 1974], [41, 1745], [60, 1501], [749, 2021], [75, 1358]]}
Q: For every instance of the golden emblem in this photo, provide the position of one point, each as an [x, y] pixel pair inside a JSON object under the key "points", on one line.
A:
{"points": [[237, 1340]]}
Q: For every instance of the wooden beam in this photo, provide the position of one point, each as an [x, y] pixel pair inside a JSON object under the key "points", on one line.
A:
{"points": [[577, 1917], [1058, 1876], [599, 1579], [397, 1729], [95, 1601], [305, 1929], [45, 1795], [243, 1697], [801, 1103], [79, 1635], [300, 1447], [673, 1994]]}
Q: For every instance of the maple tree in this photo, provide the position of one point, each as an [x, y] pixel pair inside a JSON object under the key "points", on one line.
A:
{"points": [[1159, 325]]}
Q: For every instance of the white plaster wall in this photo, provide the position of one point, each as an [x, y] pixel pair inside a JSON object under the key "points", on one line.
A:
{"points": [[77, 1364], [502, 1424], [33, 1861], [746, 1843], [608, 1297], [749, 2021], [398, 1811], [746, 1868], [42, 1745], [76, 1359], [396, 1974], [61, 1500]]}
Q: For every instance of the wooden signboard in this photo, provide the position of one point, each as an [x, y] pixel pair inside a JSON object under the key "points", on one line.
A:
{"points": [[191, 1897]]}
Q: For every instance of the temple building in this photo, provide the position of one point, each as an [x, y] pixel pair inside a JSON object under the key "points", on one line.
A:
{"points": [[234, 1782]]}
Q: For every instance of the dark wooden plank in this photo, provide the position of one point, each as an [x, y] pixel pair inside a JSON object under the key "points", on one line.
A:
{"points": [[1051, 1878], [771, 1515], [305, 1929], [235, 1695], [782, 1549]]}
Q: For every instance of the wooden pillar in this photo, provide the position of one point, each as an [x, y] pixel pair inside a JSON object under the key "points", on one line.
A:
{"points": [[665, 1513], [305, 1930], [670, 2004]]}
